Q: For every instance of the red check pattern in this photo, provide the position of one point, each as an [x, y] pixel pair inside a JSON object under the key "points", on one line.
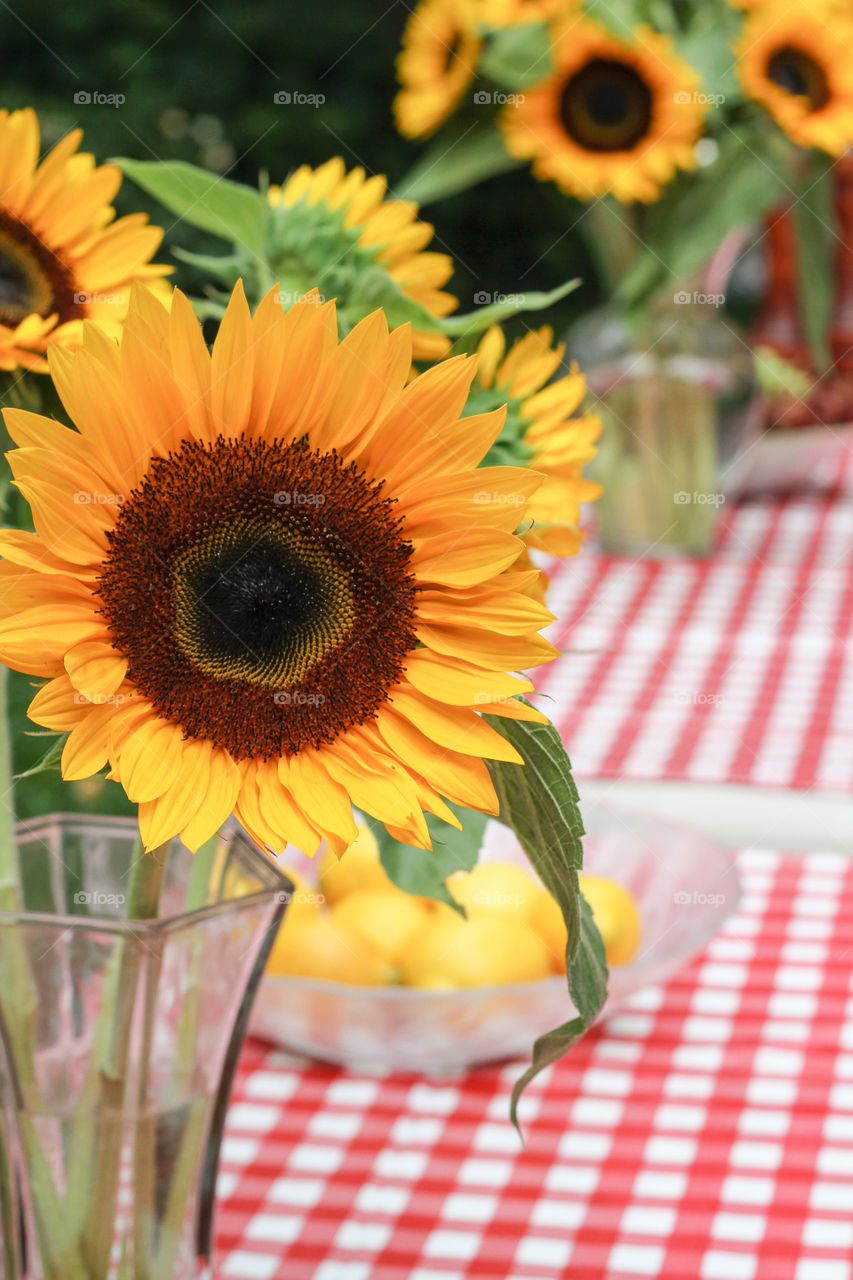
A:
{"points": [[738, 668], [703, 1133]]}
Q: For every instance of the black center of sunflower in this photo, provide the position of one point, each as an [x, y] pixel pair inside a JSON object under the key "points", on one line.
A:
{"points": [[33, 280], [606, 106], [260, 593], [797, 73]]}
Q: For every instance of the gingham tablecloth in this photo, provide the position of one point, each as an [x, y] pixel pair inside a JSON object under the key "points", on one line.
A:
{"points": [[738, 668], [703, 1133]]}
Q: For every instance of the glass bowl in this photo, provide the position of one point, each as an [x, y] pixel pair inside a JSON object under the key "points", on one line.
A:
{"points": [[684, 883]]}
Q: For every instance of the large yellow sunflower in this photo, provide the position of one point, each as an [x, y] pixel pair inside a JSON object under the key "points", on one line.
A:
{"points": [[614, 117], [360, 229], [271, 579], [797, 59], [62, 257], [441, 45], [543, 428]]}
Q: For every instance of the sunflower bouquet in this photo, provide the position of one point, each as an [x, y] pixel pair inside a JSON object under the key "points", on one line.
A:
{"points": [[673, 129], [267, 583]]}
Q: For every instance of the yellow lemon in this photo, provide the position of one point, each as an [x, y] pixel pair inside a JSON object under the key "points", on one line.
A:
{"points": [[452, 952], [548, 923], [615, 912], [320, 947], [495, 889], [357, 868], [306, 898], [387, 920]]}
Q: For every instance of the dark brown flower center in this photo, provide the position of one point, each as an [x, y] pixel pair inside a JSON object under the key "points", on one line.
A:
{"points": [[260, 593], [798, 73], [33, 280], [606, 106]]}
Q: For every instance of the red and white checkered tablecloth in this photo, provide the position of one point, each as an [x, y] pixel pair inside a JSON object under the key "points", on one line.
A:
{"points": [[737, 668], [703, 1133]]}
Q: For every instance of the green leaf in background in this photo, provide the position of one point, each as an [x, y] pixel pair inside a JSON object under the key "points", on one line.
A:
{"points": [[539, 801], [817, 239], [707, 46], [510, 304], [228, 209], [49, 760], [619, 16], [372, 288], [694, 215], [420, 872], [450, 166], [518, 56]]}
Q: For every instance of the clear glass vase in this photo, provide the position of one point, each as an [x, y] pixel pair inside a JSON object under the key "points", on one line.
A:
{"points": [[118, 1043], [680, 409]]}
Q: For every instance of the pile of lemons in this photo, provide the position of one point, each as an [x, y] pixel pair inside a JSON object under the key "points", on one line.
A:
{"points": [[356, 926]]}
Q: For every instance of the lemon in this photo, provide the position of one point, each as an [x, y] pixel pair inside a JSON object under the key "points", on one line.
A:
{"points": [[615, 912], [549, 925], [321, 947], [386, 920], [452, 952], [306, 898], [495, 889], [357, 868]]}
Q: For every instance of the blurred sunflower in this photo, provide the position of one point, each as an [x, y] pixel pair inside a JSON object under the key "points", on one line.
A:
{"points": [[614, 117], [797, 59], [62, 257], [272, 578], [543, 429], [340, 234], [515, 13], [441, 45]]}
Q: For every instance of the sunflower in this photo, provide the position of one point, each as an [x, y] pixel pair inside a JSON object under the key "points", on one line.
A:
{"points": [[441, 45], [271, 579], [516, 13], [338, 231], [614, 117], [62, 257], [797, 59], [543, 429]]}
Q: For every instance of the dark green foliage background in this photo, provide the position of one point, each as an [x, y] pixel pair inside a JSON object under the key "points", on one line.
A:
{"points": [[199, 82]]}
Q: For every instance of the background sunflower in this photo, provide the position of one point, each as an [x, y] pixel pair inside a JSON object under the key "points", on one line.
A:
{"points": [[438, 61]]}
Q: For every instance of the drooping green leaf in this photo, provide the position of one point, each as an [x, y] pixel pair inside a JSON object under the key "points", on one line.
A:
{"points": [[451, 165], [50, 760], [539, 801], [518, 56], [817, 239], [509, 304], [227, 209], [420, 872]]}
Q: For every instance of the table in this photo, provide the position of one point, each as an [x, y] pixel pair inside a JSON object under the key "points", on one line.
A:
{"points": [[704, 1132]]}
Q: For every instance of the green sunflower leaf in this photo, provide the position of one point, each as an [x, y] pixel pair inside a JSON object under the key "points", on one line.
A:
{"points": [[539, 801], [509, 304], [518, 56], [452, 165], [422, 872], [49, 760], [227, 209], [373, 288]]}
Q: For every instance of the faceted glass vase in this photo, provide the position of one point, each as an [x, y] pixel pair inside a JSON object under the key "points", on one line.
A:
{"points": [[118, 1043]]}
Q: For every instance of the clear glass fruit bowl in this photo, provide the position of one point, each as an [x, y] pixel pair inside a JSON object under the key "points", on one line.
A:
{"points": [[685, 886]]}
